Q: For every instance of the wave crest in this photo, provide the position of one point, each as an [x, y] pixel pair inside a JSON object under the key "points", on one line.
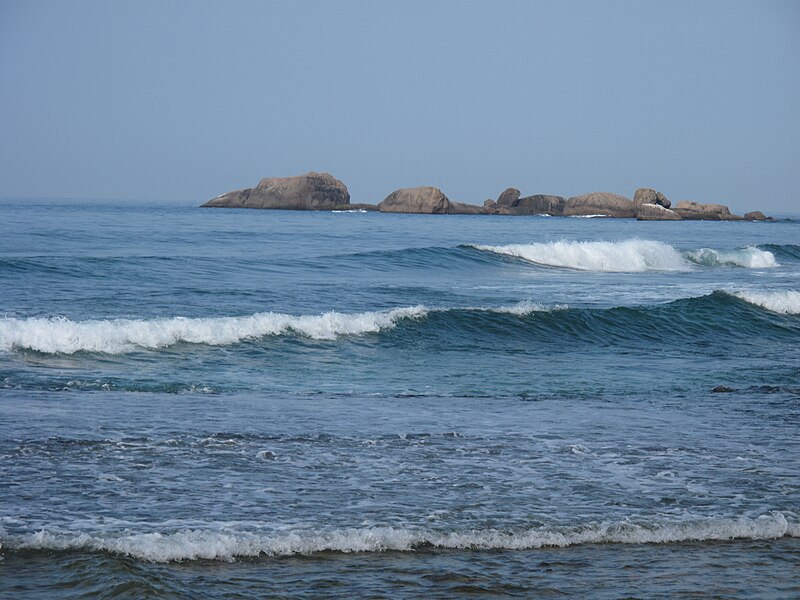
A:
{"points": [[749, 258], [194, 544], [61, 335], [629, 256], [786, 302]]}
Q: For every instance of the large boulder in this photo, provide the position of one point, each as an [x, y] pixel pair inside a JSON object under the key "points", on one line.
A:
{"points": [[508, 198], [756, 215], [424, 200], [312, 191], [650, 196], [600, 203], [540, 204], [656, 212], [694, 211]]}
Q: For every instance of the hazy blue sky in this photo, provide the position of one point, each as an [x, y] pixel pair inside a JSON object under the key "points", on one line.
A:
{"points": [[189, 99]]}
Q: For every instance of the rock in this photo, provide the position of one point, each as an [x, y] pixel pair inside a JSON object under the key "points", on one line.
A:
{"points": [[650, 196], [540, 204], [425, 200], [489, 206], [600, 203], [723, 389], [755, 215], [656, 212], [460, 208], [312, 191], [508, 198], [704, 212]]}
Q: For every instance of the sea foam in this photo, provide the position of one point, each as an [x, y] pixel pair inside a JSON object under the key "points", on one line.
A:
{"points": [[227, 544], [786, 302], [61, 335], [629, 256]]}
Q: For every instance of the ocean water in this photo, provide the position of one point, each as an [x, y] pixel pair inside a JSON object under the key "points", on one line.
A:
{"points": [[233, 403]]}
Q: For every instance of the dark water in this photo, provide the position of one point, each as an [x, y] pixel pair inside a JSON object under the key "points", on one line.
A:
{"points": [[230, 403]]}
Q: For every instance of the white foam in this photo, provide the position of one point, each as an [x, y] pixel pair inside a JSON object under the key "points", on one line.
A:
{"points": [[193, 544], [526, 307], [61, 335], [786, 302], [629, 256], [750, 258]]}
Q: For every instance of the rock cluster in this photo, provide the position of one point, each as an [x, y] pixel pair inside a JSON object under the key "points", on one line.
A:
{"points": [[322, 191]]}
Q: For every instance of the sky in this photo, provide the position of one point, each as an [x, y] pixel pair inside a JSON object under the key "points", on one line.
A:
{"points": [[185, 100]]}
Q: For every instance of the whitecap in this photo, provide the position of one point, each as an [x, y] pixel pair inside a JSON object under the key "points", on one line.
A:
{"points": [[749, 257], [227, 544], [118, 336], [628, 256], [786, 302]]}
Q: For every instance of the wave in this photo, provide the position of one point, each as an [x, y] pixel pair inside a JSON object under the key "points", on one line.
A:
{"points": [[229, 544], [749, 258], [732, 314], [631, 256], [118, 336], [786, 302]]}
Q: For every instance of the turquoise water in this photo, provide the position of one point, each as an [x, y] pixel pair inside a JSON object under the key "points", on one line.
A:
{"points": [[234, 402]]}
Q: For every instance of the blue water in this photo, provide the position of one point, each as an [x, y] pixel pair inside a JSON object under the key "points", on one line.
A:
{"points": [[231, 403]]}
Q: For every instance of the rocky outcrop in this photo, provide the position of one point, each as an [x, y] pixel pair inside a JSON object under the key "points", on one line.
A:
{"points": [[650, 196], [423, 200], [656, 212], [508, 198], [756, 215], [312, 191], [600, 203], [694, 211], [540, 204]]}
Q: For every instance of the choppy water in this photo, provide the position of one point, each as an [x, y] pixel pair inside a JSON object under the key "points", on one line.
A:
{"points": [[231, 403]]}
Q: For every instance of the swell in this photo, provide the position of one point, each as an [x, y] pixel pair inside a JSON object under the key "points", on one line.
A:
{"points": [[227, 544], [721, 314], [624, 256]]}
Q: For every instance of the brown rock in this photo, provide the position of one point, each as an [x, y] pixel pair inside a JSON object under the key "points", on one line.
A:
{"points": [[489, 206], [695, 211], [650, 196], [508, 198], [755, 215], [540, 204], [656, 212], [600, 203], [425, 200], [312, 191]]}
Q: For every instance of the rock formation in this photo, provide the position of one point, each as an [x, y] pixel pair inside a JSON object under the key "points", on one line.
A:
{"points": [[312, 191], [694, 211], [756, 215], [600, 203], [650, 196], [424, 200], [656, 212]]}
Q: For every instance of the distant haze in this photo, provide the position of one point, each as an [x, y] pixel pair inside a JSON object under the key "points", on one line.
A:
{"points": [[186, 99]]}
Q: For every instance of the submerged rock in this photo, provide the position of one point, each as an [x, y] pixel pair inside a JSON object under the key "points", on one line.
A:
{"points": [[723, 389], [312, 191], [600, 203]]}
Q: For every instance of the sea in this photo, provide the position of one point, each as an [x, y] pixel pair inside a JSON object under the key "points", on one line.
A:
{"points": [[231, 403]]}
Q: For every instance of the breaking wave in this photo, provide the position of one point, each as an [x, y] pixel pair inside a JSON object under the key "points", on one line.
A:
{"points": [[631, 256], [734, 314], [61, 335], [786, 302], [229, 544]]}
